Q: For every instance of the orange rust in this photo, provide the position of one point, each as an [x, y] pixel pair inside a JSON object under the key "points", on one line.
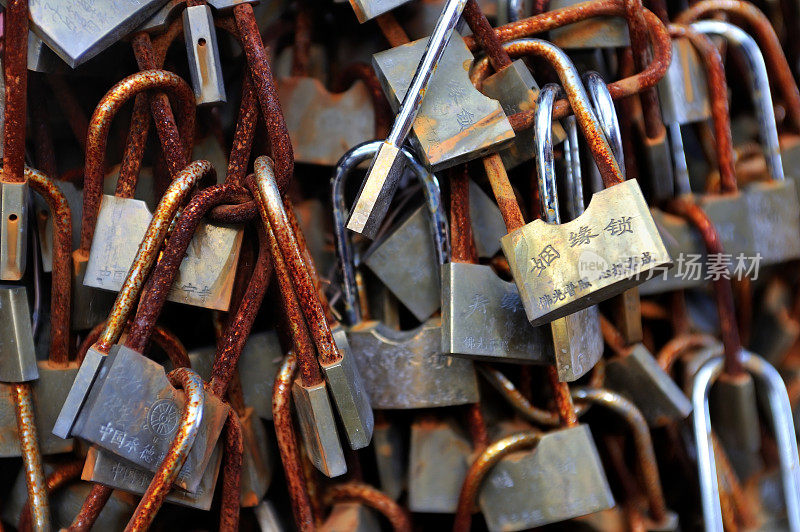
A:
{"points": [[679, 346], [484, 35], [718, 94], [61, 283], [368, 496], [172, 346], [231, 474], [148, 250], [134, 147], [723, 292], [477, 427], [15, 61], [768, 41], [92, 506], [61, 475], [503, 193], [461, 241], [301, 51], [480, 468], [287, 444], [613, 337], [392, 31], [638, 31], [98, 135], [243, 134], [22, 397], [182, 442]]}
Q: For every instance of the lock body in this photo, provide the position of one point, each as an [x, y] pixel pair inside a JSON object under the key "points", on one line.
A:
{"points": [[13, 230], [205, 67], [318, 428], [577, 343]]}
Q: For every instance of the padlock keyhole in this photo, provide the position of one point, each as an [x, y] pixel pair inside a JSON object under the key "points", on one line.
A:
{"points": [[201, 42]]}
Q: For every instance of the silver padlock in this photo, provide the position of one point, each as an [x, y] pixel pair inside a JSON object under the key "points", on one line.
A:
{"points": [[205, 67], [368, 9], [384, 355]]}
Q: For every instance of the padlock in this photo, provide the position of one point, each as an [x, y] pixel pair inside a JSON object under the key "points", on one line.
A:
{"points": [[368, 9], [390, 457], [13, 186], [439, 453], [780, 409], [487, 222], [44, 221], [516, 90], [775, 330], [350, 517], [335, 357], [259, 363], [560, 269], [659, 517], [205, 67], [773, 214], [598, 32], [384, 355], [383, 175], [267, 517], [482, 315], [91, 307]]}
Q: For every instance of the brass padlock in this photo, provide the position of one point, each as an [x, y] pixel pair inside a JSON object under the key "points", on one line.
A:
{"points": [[383, 354]]}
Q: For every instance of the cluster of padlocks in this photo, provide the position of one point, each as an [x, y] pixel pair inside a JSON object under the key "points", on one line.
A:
{"points": [[400, 264]]}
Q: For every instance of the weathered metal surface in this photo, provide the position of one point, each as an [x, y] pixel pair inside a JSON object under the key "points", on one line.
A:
{"points": [[577, 343], [205, 67], [483, 318], [599, 32], [684, 89], [17, 353], [368, 9], [319, 428], [487, 222]]}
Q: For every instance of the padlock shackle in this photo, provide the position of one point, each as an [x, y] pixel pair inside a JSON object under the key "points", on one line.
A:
{"points": [[648, 78], [720, 110], [22, 397], [301, 48], [545, 160], [768, 41], [61, 475], [485, 36], [373, 498], [723, 292], [581, 105], [481, 467], [344, 249], [287, 444], [781, 412], [613, 337], [606, 113], [758, 80], [149, 249], [61, 283], [15, 66], [163, 338], [681, 345], [231, 473], [461, 238], [642, 440], [99, 127], [189, 425]]}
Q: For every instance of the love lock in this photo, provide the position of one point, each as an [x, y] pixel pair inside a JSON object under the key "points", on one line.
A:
{"points": [[401, 369]]}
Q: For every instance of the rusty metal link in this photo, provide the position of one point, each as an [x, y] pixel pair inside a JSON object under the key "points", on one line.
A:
{"points": [[162, 43], [659, 40], [613, 337], [287, 444], [92, 506], [392, 31], [485, 36], [638, 31], [477, 427], [231, 474], [267, 94], [767, 39], [642, 441], [15, 63], [173, 347], [22, 397], [723, 292], [155, 293], [301, 50], [98, 136], [681, 345], [61, 283], [461, 242], [61, 475], [368, 496], [480, 468], [273, 211], [182, 442], [148, 250], [134, 147], [718, 94], [243, 134]]}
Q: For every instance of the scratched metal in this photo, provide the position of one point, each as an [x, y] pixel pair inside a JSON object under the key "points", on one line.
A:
{"points": [[516, 90], [597, 32], [259, 362], [134, 412], [351, 517], [486, 220], [318, 428], [17, 352], [406, 369], [562, 268], [638, 376], [13, 230], [368, 9], [206, 275], [44, 221], [439, 456], [456, 123], [205, 67], [322, 124], [406, 262], [483, 318], [683, 91], [107, 469], [577, 343], [78, 31], [774, 213], [561, 478]]}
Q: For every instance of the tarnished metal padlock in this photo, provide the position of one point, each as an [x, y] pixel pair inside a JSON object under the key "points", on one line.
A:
{"points": [[482, 315], [487, 222], [439, 456], [384, 172], [560, 269], [205, 67], [401, 369], [351, 517]]}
